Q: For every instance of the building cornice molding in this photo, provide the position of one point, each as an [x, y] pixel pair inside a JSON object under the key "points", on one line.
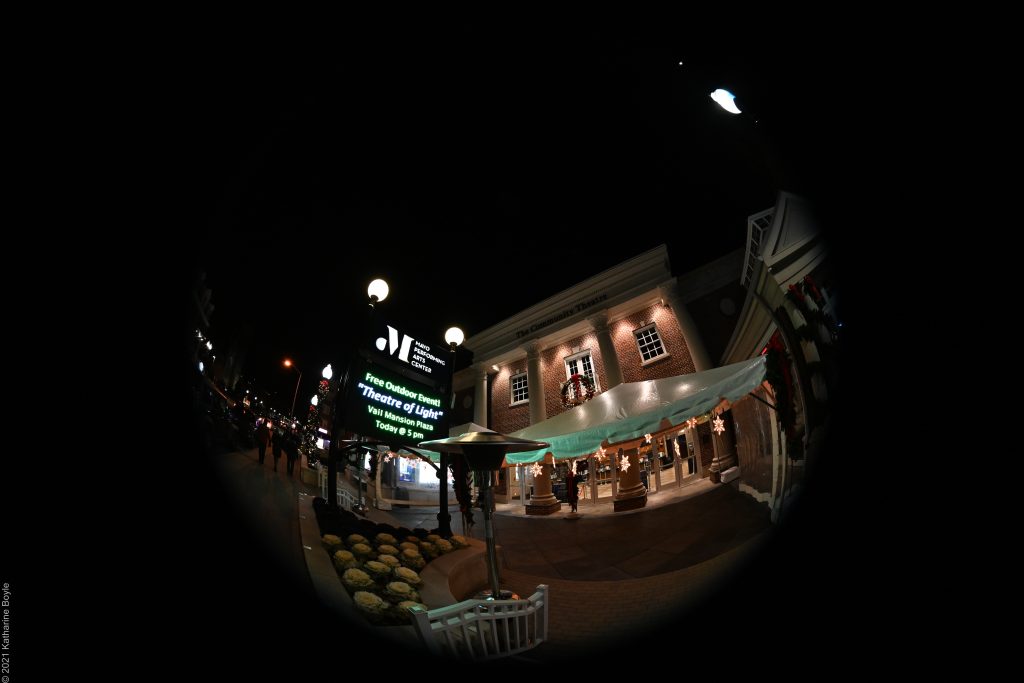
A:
{"points": [[606, 290]]}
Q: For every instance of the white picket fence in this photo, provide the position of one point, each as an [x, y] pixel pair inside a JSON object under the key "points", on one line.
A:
{"points": [[484, 629], [346, 499]]}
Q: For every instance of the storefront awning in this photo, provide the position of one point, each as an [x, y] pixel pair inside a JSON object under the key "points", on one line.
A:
{"points": [[633, 409]]}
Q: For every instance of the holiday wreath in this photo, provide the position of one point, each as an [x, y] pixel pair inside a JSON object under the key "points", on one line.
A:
{"points": [[583, 390]]}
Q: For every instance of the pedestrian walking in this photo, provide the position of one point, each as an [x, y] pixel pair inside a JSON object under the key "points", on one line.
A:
{"points": [[276, 443], [262, 439], [291, 449]]}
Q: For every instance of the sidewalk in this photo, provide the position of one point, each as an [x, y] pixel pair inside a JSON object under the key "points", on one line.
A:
{"points": [[610, 573]]}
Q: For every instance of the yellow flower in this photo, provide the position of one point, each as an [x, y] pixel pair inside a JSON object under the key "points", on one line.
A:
{"points": [[369, 602], [389, 560], [356, 538], [399, 587], [361, 549], [386, 549], [331, 539], [357, 577], [385, 539], [407, 575]]}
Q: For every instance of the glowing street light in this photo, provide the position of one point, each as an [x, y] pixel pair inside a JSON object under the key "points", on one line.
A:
{"points": [[328, 372], [377, 291], [724, 98], [288, 364], [454, 336]]}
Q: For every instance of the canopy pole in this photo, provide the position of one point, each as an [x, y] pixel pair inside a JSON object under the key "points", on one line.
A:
{"points": [[753, 395]]}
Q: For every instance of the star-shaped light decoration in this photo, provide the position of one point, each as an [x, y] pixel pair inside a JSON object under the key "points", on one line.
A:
{"points": [[600, 453], [624, 463], [389, 455], [647, 438], [537, 469], [691, 423], [719, 425]]}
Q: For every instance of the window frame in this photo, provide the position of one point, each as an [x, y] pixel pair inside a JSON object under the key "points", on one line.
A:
{"points": [[661, 341], [512, 389], [579, 355]]}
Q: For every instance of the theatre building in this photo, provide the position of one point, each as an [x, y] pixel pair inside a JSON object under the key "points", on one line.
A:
{"points": [[621, 374]]}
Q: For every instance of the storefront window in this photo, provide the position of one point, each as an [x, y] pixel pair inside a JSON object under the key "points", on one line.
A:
{"points": [[686, 452], [406, 470]]}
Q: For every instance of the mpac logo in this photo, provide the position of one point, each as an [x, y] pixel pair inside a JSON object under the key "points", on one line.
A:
{"points": [[392, 343], [415, 353]]}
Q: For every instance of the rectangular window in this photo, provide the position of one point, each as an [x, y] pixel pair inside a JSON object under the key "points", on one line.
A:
{"points": [[649, 343], [520, 389], [581, 363]]}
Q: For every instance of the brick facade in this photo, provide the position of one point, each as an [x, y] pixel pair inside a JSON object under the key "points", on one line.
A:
{"points": [[678, 361], [504, 418], [553, 367]]}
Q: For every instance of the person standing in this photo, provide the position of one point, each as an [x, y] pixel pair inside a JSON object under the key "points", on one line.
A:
{"points": [[571, 484], [291, 449], [277, 441], [262, 439]]}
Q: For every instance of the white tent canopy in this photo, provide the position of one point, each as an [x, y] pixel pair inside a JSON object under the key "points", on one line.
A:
{"points": [[630, 410]]}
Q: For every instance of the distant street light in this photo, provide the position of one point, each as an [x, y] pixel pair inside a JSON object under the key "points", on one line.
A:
{"points": [[328, 373]]}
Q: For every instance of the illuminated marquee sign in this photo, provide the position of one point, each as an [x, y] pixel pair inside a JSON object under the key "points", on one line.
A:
{"points": [[394, 409], [425, 359]]}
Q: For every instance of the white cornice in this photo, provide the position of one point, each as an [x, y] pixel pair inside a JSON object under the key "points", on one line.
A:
{"points": [[568, 310]]}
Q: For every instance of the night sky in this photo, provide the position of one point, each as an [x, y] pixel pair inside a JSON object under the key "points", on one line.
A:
{"points": [[477, 174]]}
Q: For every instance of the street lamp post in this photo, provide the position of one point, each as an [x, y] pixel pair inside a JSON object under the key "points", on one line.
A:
{"points": [[454, 337], [484, 452], [289, 364], [377, 291]]}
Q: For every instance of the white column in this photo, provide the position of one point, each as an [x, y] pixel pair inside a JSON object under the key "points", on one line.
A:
{"points": [[612, 371], [592, 464], [535, 378], [522, 485], [480, 397], [656, 465], [698, 352], [677, 463]]}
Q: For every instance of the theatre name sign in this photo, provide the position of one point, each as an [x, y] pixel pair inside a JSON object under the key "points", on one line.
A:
{"points": [[562, 315]]}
